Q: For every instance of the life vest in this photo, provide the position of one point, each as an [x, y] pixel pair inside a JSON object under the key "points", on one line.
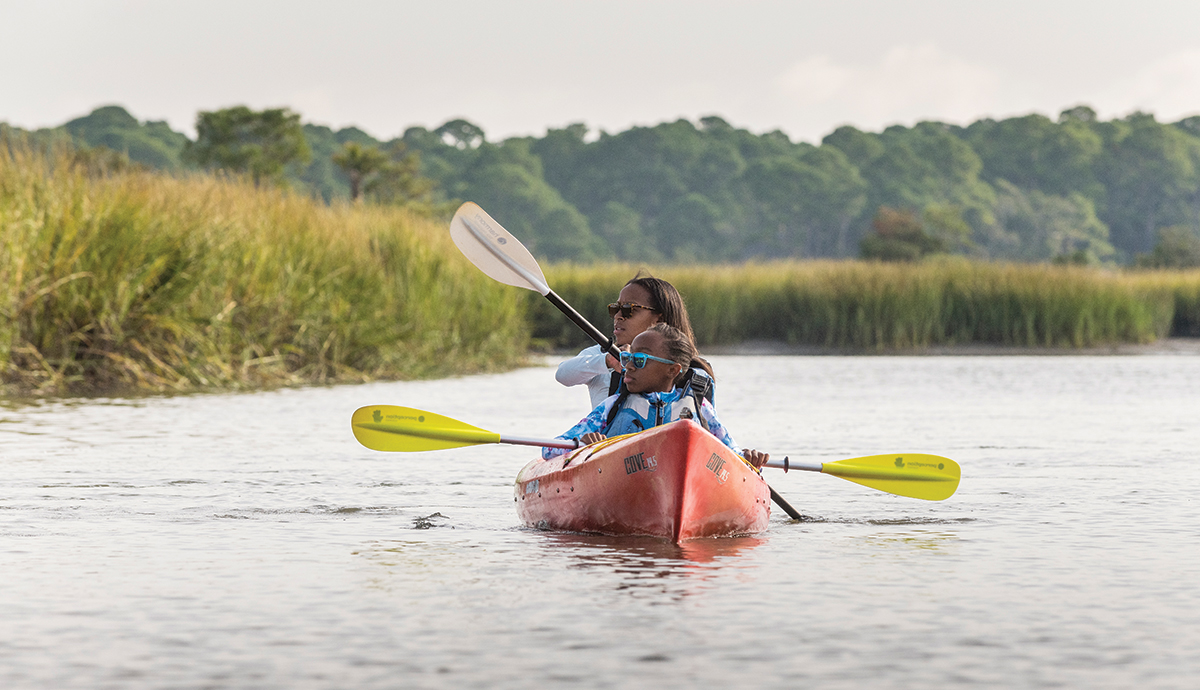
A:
{"points": [[634, 412]]}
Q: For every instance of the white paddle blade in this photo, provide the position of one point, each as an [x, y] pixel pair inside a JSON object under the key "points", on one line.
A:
{"points": [[494, 250]]}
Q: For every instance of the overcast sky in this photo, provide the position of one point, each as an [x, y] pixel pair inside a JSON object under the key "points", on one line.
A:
{"points": [[519, 66]]}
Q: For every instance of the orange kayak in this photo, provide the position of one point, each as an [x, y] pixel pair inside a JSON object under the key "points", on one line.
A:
{"points": [[675, 481]]}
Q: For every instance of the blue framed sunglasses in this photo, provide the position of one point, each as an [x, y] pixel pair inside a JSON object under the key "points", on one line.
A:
{"points": [[639, 359]]}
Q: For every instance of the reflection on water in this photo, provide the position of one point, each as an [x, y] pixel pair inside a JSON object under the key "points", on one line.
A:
{"points": [[640, 564], [603, 549], [894, 522], [918, 539]]}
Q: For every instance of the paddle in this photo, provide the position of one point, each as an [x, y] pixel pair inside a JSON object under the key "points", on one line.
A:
{"points": [[393, 428], [915, 475], [503, 258], [404, 429]]}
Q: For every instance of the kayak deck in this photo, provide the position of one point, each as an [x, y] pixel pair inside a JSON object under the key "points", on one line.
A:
{"points": [[675, 481]]}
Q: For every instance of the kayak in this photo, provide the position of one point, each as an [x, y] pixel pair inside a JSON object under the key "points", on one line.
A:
{"points": [[675, 481]]}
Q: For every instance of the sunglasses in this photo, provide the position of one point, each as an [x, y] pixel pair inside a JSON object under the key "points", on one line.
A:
{"points": [[639, 359], [626, 308]]}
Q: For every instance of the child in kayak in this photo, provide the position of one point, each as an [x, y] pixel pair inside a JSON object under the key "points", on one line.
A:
{"points": [[654, 369], [643, 302]]}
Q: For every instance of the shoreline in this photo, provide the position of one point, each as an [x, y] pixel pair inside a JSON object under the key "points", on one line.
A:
{"points": [[1182, 347], [767, 348], [1166, 346]]}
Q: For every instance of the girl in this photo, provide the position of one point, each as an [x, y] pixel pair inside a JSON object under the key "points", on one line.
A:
{"points": [[643, 302], [655, 368]]}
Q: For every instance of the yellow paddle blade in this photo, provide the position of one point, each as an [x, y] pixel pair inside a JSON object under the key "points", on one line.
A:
{"points": [[916, 475], [389, 427]]}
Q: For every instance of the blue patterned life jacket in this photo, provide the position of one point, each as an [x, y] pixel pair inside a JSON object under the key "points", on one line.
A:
{"points": [[634, 412]]}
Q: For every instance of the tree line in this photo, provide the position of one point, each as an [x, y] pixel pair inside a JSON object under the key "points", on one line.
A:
{"points": [[1074, 189]]}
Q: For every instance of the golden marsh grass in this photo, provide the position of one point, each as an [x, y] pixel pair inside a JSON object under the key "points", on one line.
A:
{"points": [[877, 306], [141, 281]]}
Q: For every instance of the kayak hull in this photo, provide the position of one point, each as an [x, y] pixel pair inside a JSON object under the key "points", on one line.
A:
{"points": [[676, 481]]}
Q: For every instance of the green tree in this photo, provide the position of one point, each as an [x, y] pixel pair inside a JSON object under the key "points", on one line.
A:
{"points": [[946, 223], [322, 177], [665, 174], [1033, 152], [804, 201], [507, 180], [559, 152], [899, 235], [1151, 175], [238, 139], [461, 134], [916, 167], [359, 162], [398, 179], [152, 144], [691, 229], [1034, 226], [1177, 247]]}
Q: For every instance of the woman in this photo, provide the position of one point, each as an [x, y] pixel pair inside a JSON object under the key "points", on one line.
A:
{"points": [[643, 302]]}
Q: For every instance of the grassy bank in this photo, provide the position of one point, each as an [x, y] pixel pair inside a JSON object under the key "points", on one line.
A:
{"points": [[857, 305], [1184, 290], [141, 281]]}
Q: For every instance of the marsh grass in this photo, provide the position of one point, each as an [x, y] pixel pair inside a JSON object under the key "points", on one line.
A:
{"points": [[1184, 289], [137, 281], [880, 306]]}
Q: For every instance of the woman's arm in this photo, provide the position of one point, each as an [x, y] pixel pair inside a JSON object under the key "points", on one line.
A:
{"points": [[583, 367]]}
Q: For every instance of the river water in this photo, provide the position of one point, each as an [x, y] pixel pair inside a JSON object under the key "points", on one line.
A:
{"points": [[247, 541]]}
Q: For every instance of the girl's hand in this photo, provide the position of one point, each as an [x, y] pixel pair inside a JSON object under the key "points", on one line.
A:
{"points": [[591, 437], [756, 458]]}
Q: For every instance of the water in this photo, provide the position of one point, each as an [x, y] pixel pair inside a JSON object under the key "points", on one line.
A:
{"points": [[247, 541]]}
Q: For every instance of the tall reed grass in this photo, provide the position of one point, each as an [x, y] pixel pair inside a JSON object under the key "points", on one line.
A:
{"points": [[1184, 289], [134, 280], [874, 306]]}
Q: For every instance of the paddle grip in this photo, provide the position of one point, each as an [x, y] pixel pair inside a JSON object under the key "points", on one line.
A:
{"points": [[592, 332]]}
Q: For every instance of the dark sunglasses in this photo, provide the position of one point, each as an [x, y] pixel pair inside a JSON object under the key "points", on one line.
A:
{"points": [[639, 359], [626, 308]]}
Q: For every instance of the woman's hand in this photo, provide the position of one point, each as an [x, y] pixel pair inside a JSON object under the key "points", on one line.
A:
{"points": [[613, 363], [591, 437], [756, 458]]}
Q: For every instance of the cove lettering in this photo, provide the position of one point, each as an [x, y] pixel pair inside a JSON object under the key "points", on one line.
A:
{"points": [[716, 465], [637, 463]]}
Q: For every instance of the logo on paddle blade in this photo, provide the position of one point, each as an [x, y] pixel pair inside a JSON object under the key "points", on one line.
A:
{"points": [[501, 240], [899, 462], [377, 416]]}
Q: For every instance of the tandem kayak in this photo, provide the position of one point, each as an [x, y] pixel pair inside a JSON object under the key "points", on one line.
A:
{"points": [[675, 481]]}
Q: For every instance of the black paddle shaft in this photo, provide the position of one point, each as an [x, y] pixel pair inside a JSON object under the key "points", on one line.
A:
{"points": [[602, 340], [787, 507]]}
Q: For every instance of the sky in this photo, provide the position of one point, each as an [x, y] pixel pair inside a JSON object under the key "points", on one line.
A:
{"points": [[518, 67]]}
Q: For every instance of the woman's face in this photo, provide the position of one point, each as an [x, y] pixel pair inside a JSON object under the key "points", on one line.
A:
{"points": [[626, 329], [655, 376]]}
